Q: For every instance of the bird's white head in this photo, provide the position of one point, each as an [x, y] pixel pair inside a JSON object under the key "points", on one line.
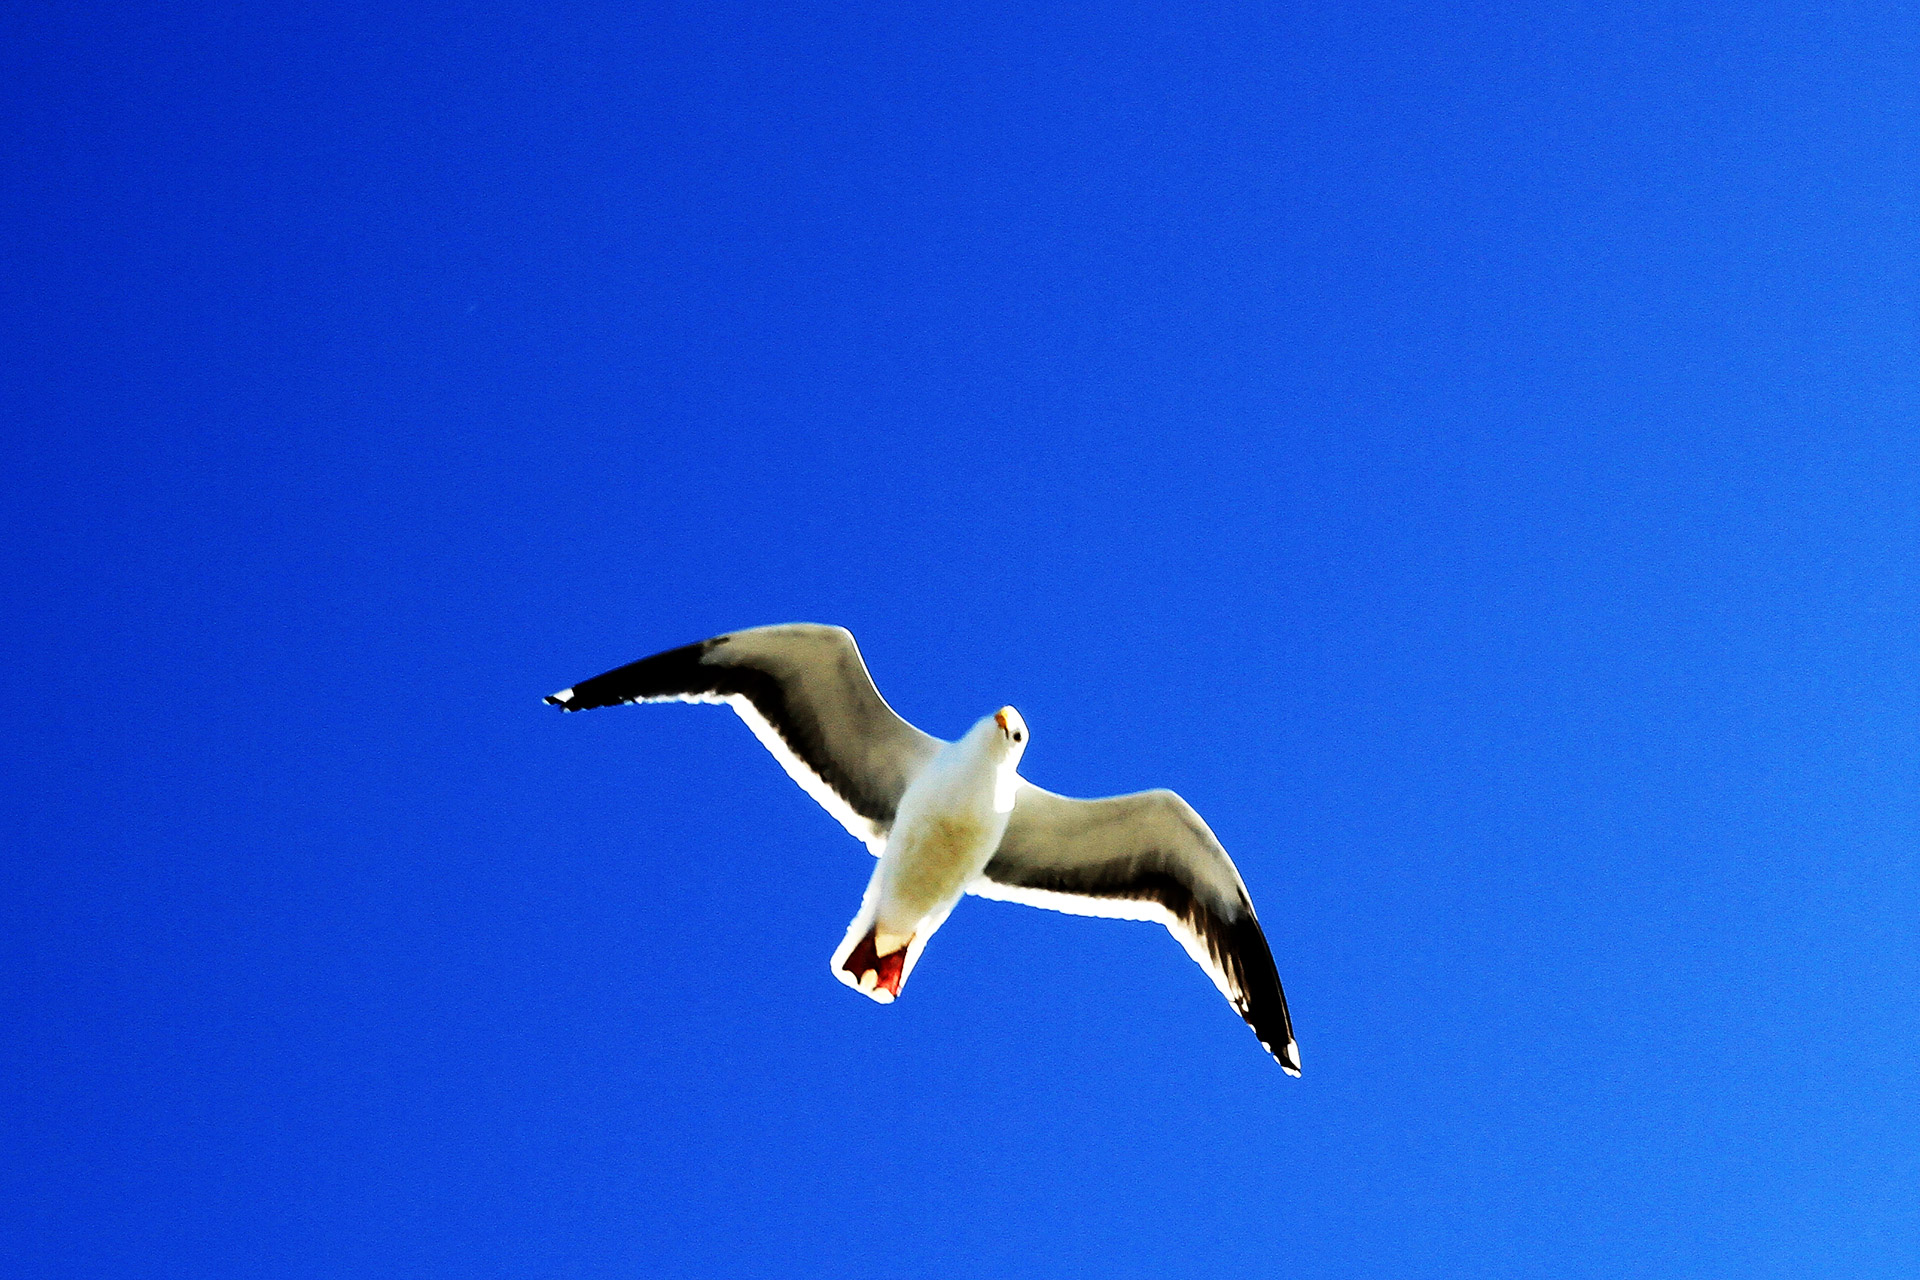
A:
{"points": [[1007, 739], [1012, 731]]}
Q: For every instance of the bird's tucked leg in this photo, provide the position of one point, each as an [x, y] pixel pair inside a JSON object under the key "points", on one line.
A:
{"points": [[873, 973]]}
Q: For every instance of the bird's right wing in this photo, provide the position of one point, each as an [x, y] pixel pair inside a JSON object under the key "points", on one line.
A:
{"points": [[806, 694], [1146, 856]]}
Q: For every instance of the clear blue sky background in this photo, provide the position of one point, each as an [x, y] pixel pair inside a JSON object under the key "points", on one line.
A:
{"points": [[1469, 453]]}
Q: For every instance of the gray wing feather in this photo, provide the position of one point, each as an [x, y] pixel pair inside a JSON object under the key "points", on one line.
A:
{"points": [[806, 694], [1146, 856]]}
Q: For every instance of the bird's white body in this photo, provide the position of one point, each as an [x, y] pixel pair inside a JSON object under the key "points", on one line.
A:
{"points": [[948, 826]]}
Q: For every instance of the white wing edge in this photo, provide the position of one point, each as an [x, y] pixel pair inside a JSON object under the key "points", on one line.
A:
{"points": [[1108, 909], [1074, 904], [861, 829]]}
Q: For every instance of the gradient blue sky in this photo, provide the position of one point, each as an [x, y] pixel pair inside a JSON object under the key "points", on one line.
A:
{"points": [[1471, 454]]}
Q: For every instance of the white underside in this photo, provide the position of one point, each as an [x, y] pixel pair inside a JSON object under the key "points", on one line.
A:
{"points": [[945, 829]]}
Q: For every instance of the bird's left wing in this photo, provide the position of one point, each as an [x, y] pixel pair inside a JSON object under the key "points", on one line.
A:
{"points": [[805, 692], [1146, 856]]}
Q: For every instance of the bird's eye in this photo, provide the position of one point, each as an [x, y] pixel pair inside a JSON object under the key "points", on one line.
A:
{"points": [[1016, 737]]}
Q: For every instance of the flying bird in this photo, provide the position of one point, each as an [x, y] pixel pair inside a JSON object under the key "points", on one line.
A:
{"points": [[951, 818]]}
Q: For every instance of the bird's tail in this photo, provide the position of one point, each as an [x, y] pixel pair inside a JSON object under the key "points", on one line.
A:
{"points": [[858, 960]]}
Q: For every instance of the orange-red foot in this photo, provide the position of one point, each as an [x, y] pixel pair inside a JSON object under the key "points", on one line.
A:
{"points": [[885, 970]]}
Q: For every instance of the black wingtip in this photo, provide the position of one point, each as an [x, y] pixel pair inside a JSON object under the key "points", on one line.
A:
{"points": [[1288, 1057], [560, 700]]}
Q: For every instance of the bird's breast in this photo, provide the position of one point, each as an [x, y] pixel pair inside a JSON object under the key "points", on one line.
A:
{"points": [[931, 860]]}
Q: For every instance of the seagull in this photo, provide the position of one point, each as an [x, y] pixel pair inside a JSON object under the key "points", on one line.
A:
{"points": [[945, 819]]}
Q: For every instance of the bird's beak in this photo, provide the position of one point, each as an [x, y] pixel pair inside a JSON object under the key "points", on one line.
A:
{"points": [[1000, 718]]}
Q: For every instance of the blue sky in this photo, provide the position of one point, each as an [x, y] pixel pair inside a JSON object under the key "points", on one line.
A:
{"points": [[1469, 455]]}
